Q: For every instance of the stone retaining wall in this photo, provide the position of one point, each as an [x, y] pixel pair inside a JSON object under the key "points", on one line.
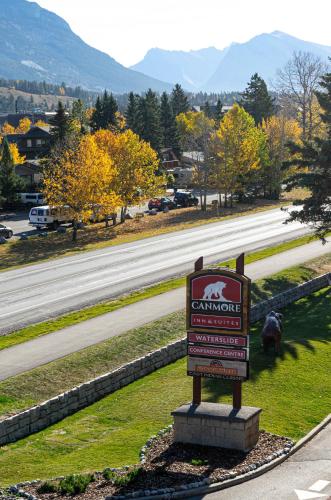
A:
{"points": [[52, 411]]}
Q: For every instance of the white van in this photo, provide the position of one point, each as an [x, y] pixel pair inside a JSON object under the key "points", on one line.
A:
{"points": [[32, 198], [50, 217]]}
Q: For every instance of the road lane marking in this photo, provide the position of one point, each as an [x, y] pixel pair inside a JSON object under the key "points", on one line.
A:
{"points": [[93, 286], [319, 485], [307, 495], [232, 225]]}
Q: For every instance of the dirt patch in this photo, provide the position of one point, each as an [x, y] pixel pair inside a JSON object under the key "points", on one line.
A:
{"points": [[174, 465]]}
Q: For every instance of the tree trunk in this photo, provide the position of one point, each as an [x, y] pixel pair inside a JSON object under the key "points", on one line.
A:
{"points": [[123, 214], [226, 199], [74, 230]]}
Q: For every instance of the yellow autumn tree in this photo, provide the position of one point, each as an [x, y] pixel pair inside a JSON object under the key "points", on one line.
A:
{"points": [[235, 151], [279, 131], [23, 126], [136, 164], [81, 180], [195, 130], [40, 123], [7, 129], [18, 159]]}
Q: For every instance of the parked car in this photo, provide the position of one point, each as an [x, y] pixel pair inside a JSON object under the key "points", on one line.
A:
{"points": [[6, 231], [186, 199], [161, 204], [32, 199], [49, 217]]}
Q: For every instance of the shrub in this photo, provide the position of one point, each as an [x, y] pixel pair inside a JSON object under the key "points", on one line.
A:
{"points": [[47, 487], [108, 474], [75, 484], [198, 461], [126, 479]]}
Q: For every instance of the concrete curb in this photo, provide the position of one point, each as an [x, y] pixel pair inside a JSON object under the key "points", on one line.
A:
{"points": [[244, 477]]}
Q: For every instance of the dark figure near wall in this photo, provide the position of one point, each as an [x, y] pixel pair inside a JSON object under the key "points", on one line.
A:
{"points": [[272, 331]]}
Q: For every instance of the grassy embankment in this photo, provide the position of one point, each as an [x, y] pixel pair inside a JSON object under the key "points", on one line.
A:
{"points": [[27, 389], [46, 327], [293, 390], [17, 253]]}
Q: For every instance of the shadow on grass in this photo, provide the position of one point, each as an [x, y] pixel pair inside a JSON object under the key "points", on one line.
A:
{"points": [[275, 285], [304, 321]]}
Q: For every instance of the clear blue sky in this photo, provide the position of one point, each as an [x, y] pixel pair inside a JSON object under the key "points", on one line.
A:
{"points": [[126, 29]]}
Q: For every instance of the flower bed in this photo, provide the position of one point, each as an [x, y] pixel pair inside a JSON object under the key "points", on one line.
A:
{"points": [[166, 467]]}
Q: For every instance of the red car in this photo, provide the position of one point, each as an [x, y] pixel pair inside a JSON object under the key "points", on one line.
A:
{"points": [[161, 203]]}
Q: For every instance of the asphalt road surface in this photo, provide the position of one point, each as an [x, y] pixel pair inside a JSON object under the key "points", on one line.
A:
{"points": [[39, 351], [35, 293], [305, 475]]}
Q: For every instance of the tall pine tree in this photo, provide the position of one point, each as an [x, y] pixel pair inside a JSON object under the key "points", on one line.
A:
{"points": [[179, 101], [60, 125], [10, 183], [105, 113], [150, 120], [132, 113], [169, 126], [315, 163], [256, 99]]}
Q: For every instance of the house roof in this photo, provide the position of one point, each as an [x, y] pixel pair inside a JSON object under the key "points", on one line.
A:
{"points": [[37, 132]]}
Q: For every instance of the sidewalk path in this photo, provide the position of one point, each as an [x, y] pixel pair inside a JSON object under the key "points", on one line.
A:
{"points": [[42, 350], [305, 475]]}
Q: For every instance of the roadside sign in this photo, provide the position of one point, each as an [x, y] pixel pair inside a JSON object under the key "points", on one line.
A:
{"points": [[218, 302], [217, 368], [217, 352], [214, 339]]}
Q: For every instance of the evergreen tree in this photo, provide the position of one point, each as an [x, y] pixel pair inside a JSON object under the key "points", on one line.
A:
{"points": [[207, 110], [105, 113], [110, 109], [150, 122], [218, 113], [10, 183], [61, 125], [169, 126], [96, 119], [315, 161], [132, 113], [256, 99], [179, 101]]}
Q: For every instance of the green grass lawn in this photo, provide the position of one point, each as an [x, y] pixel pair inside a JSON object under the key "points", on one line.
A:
{"points": [[25, 390], [73, 318], [293, 390]]}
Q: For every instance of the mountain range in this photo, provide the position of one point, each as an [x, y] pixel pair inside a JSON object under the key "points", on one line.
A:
{"points": [[214, 70], [39, 45]]}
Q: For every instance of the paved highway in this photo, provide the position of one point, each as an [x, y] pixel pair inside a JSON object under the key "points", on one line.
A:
{"points": [[41, 350], [38, 292]]}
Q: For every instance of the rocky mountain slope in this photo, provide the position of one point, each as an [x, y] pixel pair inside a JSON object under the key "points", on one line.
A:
{"points": [[230, 69], [39, 45]]}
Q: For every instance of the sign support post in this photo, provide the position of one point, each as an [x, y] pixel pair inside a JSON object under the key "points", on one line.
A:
{"points": [[196, 400], [217, 322], [237, 384]]}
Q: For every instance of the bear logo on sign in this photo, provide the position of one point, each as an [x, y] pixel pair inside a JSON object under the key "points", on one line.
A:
{"points": [[215, 290]]}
